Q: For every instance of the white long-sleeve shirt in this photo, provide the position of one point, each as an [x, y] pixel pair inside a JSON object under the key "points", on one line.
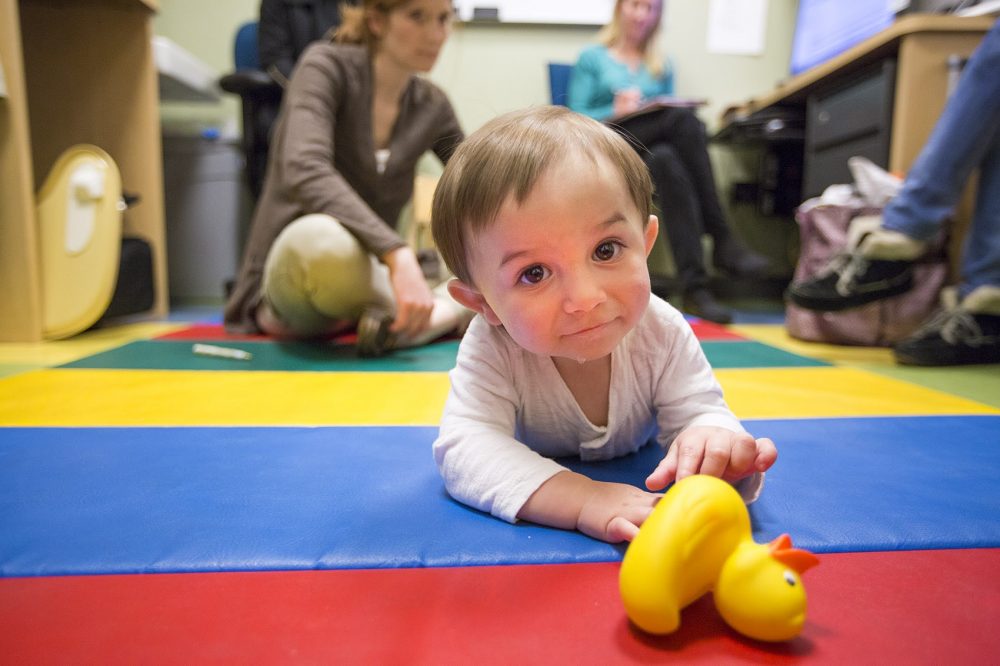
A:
{"points": [[509, 411]]}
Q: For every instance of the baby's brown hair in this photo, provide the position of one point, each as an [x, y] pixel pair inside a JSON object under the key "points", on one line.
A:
{"points": [[506, 157]]}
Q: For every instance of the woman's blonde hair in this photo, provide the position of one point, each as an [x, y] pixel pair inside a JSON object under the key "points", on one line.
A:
{"points": [[506, 157], [611, 33], [354, 28]]}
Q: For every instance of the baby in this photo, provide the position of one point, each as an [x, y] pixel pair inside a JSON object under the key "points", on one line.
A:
{"points": [[544, 217]]}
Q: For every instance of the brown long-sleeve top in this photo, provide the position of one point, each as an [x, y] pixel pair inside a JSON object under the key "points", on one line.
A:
{"points": [[322, 160]]}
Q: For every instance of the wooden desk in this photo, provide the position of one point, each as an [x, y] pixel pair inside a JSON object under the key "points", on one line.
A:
{"points": [[78, 71], [920, 46]]}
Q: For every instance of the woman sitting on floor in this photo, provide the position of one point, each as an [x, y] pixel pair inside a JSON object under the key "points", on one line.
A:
{"points": [[323, 252]]}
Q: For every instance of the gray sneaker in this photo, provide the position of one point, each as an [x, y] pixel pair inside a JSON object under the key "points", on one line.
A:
{"points": [[953, 337], [850, 281]]}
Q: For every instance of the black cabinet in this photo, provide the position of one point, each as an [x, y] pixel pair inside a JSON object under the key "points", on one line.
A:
{"points": [[851, 119]]}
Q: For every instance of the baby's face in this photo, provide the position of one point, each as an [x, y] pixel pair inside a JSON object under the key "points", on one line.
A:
{"points": [[565, 272]]}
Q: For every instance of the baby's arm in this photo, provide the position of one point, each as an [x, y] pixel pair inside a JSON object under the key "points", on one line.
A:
{"points": [[481, 460], [611, 512], [716, 451], [688, 398]]}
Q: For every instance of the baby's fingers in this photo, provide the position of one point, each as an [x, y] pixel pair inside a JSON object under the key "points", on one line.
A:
{"points": [[690, 452], [625, 525], [665, 472], [767, 453], [619, 530], [719, 449], [742, 458]]}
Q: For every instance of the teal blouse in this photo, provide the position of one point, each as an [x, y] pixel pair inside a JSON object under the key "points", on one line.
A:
{"points": [[597, 76]]}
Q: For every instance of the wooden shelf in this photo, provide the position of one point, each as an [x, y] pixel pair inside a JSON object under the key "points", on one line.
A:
{"points": [[77, 72]]}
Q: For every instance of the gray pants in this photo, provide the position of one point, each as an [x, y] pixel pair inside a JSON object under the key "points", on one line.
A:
{"points": [[319, 278]]}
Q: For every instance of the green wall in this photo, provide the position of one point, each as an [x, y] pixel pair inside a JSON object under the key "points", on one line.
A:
{"points": [[489, 69]]}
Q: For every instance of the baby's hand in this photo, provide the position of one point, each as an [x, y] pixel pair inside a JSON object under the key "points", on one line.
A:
{"points": [[716, 451], [613, 512], [610, 512]]}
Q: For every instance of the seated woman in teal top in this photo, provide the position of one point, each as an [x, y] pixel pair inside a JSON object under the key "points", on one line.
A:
{"points": [[614, 81], [598, 75]]}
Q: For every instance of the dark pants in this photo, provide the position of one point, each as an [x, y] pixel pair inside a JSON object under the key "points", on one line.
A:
{"points": [[673, 144]]}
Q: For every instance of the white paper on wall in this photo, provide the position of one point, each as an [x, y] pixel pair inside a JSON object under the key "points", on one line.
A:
{"points": [[573, 12], [736, 27]]}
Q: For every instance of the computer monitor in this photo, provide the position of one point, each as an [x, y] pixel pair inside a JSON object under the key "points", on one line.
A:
{"points": [[826, 28]]}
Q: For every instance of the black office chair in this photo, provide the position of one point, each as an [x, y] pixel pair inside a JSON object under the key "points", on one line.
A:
{"points": [[261, 98]]}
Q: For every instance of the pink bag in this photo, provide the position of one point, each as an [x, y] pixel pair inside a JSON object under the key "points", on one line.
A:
{"points": [[823, 233]]}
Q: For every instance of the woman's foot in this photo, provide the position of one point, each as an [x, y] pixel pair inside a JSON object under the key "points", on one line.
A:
{"points": [[734, 258], [374, 336], [375, 339], [701, 303], [963, 333], [876, 263]]}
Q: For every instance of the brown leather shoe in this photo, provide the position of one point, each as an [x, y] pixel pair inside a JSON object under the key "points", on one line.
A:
{"points": [[374, 336], [701, 303], [737, 260]]}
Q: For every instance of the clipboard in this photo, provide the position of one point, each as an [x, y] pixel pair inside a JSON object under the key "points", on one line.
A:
{"points": [[662, 102]]}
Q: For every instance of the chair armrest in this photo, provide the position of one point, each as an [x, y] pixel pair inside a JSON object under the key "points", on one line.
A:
{"points": [[250, 83]]}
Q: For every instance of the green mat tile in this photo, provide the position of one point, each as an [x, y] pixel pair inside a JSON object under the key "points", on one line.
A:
{"points": [[754, 355], [270, 356], [975, 382], [314, 357]]}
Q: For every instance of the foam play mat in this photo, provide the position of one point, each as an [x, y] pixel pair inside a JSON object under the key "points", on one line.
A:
{"points": [[159, 505]]}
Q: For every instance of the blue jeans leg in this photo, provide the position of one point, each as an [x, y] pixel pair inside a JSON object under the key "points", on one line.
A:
{"points": [[981, 253], [965, 136]]}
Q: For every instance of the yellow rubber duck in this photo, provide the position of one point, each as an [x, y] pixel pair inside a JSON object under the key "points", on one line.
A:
{"points": [[697, 540]]}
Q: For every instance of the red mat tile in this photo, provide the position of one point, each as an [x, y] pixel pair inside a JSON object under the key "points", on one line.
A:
{"points": [[918, 607], [215, 332], [704, 330]]}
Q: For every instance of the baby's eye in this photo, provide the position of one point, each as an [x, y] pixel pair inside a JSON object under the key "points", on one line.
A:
{"points": [[607, 250], [533, 274]]}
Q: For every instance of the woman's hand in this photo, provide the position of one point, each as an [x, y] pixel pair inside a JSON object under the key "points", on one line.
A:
{"points": [[627, 101], [414, 300]]}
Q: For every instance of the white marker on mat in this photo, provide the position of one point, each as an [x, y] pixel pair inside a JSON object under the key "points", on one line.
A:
{"points": [[221, 352]]}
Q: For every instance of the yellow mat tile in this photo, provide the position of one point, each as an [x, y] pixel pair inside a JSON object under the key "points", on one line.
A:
{"points": [[834, 392], [974, 382], [58, 352], [55, 397], [58, 397]]}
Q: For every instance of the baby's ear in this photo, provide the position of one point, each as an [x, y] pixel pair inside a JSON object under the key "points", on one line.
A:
{"points": [[469, 296], [650, 233]]}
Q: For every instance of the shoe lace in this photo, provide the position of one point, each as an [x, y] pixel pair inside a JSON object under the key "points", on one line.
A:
{"points": [[954, 326], [846, 266]]}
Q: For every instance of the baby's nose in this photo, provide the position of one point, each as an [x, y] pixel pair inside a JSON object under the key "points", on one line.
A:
{"points": [[583, 293]]}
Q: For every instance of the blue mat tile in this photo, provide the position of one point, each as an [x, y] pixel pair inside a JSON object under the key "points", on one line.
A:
{"points": [[126, 500]]}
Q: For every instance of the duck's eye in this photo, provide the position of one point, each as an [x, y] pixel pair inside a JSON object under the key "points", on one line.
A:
{"points": [[790, 578]]}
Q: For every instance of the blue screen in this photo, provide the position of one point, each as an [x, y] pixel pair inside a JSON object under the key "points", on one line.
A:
{"points": [[826, 28]]}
